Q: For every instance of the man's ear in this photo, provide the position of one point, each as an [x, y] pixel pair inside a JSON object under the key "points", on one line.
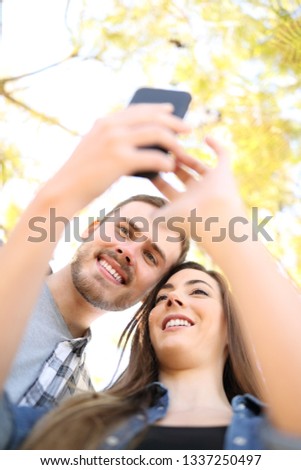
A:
{"points": [[87, 234]]}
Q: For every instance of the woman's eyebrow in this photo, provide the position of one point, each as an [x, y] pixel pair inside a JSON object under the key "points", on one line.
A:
{"points": [[195, 281], [167, 286], [188, 283]]}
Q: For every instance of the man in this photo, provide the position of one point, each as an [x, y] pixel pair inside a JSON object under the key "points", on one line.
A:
{"points": [[112, 271]]}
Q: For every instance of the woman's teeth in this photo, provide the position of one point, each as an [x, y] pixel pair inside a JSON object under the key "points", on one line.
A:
{"points": [[177, 322]]}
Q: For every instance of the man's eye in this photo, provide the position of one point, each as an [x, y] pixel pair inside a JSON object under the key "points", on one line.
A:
{"points": [[199, 292], [150, 257], [160, 298], [124, 231]]}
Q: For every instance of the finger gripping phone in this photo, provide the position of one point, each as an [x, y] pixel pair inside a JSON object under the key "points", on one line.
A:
{"points": [[180, 101]]}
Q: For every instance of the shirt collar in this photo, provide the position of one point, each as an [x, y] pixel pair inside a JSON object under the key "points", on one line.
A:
{"points": [[249, 401]]}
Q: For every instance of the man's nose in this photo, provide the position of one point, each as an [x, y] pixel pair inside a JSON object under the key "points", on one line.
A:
{"points": [[127, 252]]}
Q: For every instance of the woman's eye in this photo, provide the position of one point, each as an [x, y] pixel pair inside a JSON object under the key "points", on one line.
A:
{"points": [[160, 298], [150, 257], [199, 292]]}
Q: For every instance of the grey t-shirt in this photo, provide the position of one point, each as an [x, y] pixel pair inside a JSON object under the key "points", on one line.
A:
{"points": [[45, 330]]}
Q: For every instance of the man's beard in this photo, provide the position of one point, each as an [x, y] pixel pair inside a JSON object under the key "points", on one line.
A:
{"points": [[96, 296]]}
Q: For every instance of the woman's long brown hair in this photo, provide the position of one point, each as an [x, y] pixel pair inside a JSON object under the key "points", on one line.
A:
{"points": [[83, 421]]}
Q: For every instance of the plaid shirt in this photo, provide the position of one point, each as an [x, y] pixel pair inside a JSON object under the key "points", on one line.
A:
{"points": [[63, 374]]}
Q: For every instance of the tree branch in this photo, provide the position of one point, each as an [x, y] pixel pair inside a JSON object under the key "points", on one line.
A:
{"points": [[38, 114], [3, 81]]}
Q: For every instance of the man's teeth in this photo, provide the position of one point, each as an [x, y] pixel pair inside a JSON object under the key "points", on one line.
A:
{"points": [[111, 270], [177, 322]]}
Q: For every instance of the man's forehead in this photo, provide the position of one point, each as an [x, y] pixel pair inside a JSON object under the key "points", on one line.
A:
{"points": [[138, 209], [145, 218]]}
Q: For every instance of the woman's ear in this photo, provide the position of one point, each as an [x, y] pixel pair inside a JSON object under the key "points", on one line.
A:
{"points": [[89, 231]]}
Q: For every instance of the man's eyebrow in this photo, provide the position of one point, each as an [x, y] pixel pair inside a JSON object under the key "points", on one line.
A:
{"points": [[188, 283], [161, 253], [154, 245]]}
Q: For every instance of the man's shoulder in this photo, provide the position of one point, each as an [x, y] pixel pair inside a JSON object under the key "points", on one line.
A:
{"points": [[47, 312], [45, 297]]}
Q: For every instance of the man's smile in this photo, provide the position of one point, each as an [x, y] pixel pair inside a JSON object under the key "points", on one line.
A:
{"points": [[111, 269]]}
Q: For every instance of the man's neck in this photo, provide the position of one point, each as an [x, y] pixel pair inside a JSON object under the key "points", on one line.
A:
{"points": [[77, 313]]}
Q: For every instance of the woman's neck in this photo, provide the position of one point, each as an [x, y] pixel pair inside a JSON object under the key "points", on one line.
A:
{"points": [[193, 389]]}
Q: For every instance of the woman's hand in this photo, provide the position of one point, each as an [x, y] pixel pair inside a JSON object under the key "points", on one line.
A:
{"points": [[210, 198]]}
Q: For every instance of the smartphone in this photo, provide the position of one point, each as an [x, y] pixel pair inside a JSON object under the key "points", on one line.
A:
{"points": [[180, 101]]}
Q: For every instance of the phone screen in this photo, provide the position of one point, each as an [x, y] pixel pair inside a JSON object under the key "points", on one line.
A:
{"points": [[179, 99]]}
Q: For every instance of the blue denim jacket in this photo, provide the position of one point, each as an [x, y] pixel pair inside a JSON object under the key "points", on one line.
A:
{"points": [[242, 433], [248, 428]]}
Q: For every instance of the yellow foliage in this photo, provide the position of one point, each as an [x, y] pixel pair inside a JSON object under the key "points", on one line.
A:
{"points": [[10, 163], [12, 215]]}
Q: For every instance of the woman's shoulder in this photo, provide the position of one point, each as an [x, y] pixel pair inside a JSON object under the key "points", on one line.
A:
{"points": [[17, 422]]}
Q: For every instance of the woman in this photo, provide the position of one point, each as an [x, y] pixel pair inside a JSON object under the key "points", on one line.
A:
{"points": [[189, 383]]}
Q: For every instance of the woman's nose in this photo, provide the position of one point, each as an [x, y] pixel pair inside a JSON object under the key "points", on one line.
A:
{"points": [[173, 299]]}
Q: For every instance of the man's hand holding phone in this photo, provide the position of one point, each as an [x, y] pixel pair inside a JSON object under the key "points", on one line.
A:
{"points": [[121, 144]]}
